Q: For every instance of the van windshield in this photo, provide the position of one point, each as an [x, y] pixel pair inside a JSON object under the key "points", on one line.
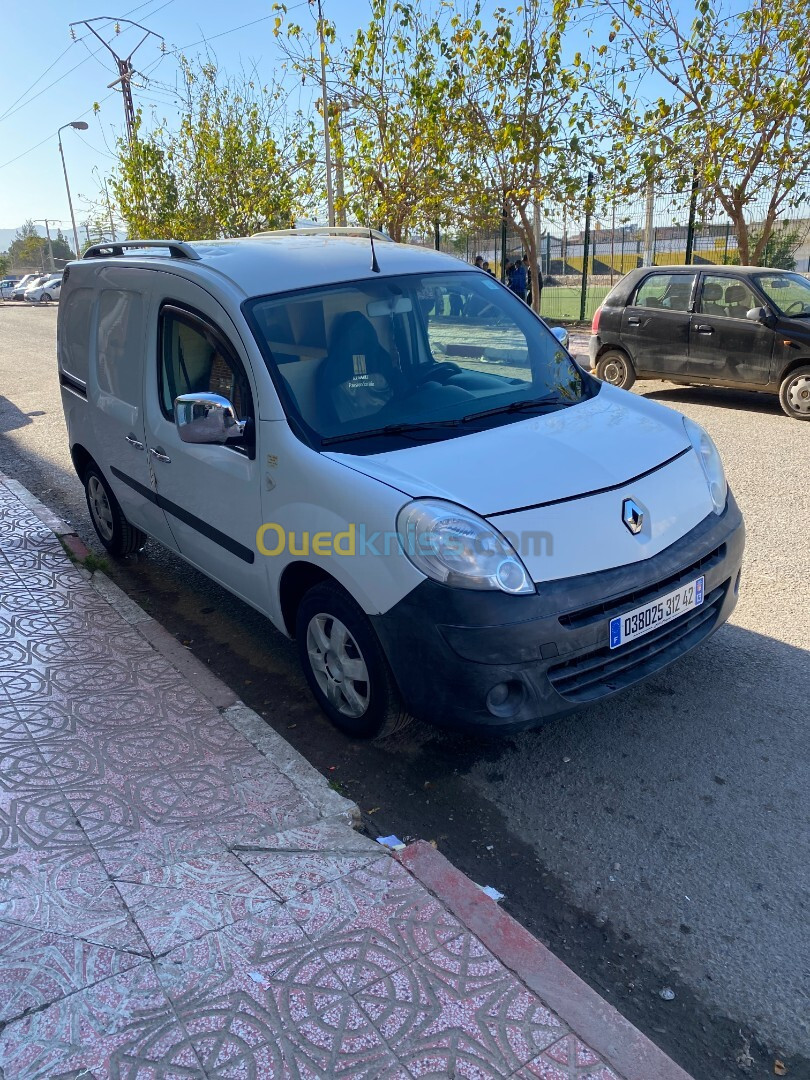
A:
{"points": [[379, 364]]}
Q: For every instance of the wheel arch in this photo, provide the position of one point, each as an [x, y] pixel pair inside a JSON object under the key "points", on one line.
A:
{"points": [[297, 579], [791, 366], [81, 458], [609, 347]]}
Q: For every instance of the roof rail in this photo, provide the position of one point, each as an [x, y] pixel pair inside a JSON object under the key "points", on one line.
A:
{"points": [[178, 249], [327, 230]]}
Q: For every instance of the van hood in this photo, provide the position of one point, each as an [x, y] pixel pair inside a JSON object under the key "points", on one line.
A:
{"points": [[596, 444]]}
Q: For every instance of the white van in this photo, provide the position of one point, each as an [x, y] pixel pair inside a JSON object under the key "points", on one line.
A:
{"points": [[387, 453]]}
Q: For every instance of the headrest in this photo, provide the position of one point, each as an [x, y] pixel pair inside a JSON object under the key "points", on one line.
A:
{"points": [[354, 350], [735, 293], [712, 291]]}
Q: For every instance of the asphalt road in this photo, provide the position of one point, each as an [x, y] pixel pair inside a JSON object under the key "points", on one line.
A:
{"points": [[659, 840]]}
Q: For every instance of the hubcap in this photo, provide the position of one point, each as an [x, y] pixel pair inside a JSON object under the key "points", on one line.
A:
{"points": [[614, 372], [798, 394], [338, 665], [100, 507]]}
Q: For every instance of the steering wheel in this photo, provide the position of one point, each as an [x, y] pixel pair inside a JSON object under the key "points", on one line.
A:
{"points": [[796, 307], [440, 372]]}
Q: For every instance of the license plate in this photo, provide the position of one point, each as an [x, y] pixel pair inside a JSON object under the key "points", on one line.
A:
{"points": [[640, 621]]}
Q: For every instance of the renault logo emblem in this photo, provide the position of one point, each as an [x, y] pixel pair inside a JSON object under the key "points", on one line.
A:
{"points": [[632, 516]]}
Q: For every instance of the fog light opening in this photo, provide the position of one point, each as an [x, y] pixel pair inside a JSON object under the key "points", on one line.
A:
{"points": [[506, 698]]}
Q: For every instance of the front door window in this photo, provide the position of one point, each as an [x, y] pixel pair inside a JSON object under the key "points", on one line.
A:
{"points": [[728, 297]]}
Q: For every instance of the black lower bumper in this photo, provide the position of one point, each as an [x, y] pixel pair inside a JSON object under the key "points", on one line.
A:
{"points": [[463, 658]]}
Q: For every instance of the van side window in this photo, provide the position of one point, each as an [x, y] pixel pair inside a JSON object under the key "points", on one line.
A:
{"points": [[195, 358], [120, 344], [669, 291], [74, 332]]}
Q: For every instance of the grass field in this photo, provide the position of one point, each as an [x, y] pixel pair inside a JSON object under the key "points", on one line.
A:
{"points": [[562, 301]]}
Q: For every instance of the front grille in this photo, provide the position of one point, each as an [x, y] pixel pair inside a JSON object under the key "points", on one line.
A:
{"points": [[602, 671], [617, 605]]}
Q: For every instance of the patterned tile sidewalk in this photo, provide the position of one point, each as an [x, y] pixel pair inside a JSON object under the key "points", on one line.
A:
{"points": [[173, 904]]}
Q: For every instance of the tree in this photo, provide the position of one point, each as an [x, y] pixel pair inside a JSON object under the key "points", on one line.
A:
{"points": [[521, 126], [735, 107], [5, 264], [28, 248], [780, 249], [390, 121], [237, 163]]}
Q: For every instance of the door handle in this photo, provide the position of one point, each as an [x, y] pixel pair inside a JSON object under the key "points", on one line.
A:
{"points": [[704, 328], [634, 322], [133, 441], [159, 454]]}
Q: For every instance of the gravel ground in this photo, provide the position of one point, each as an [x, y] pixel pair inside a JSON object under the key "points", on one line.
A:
{"points": [[676, 816]]}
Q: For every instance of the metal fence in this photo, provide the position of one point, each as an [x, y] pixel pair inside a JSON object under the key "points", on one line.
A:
{"points": [[582, 259]]}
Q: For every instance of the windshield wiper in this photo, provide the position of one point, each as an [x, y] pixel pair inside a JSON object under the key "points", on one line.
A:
{"points": [[389, 429], [419, 425], [517, 406]]}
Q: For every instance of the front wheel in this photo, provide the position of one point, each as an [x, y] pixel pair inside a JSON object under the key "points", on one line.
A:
{"points": [[345, 666], [45, 298], [113, 529], [614, 367], [794, 394]]}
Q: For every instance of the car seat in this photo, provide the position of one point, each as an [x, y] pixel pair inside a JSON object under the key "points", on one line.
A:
{"points": [[678, 297], [710, 303], [357, 378], [737, 301]]}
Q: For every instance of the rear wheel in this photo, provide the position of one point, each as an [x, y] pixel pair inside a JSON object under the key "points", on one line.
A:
{"points": [[345, 666], [45, 298], [615, 367], [113, 529], [794, 394]]}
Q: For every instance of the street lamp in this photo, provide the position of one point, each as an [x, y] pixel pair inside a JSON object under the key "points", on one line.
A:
{"points": [[79, 125]]}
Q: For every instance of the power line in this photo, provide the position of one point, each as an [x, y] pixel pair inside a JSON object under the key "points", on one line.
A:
{"points": [[224, 33], [34, 83], [36, 146], [11, 110]]}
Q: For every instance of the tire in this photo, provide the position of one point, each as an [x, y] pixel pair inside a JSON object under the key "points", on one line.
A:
{"points": [[794, 394], [45, 298], [332, 631], [616, 368], [113, 530]]}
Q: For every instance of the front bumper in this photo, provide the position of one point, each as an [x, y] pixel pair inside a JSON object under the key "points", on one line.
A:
{"points": [[488, 660]]}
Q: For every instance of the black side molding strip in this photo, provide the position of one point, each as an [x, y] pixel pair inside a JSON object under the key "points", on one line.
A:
{"points": [[208, 531], [587, 494], [76, 385]]}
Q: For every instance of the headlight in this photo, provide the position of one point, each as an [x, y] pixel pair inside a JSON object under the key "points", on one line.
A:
{"points": [[710, 461], [456, 547]]}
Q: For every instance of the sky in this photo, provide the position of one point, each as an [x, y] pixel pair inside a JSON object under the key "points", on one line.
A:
{"points": [[57, 81]]}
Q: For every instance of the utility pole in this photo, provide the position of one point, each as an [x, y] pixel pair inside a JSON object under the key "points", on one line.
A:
{"points": [[649, 238], [123, 63], [330, 202], [50, 245]]}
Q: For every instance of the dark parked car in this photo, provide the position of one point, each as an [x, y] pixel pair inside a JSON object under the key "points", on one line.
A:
{"points": [[740, 326]]}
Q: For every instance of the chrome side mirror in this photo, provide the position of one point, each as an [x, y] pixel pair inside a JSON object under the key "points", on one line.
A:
{"points": [[561, 334], [757, 314], [206, 418]]}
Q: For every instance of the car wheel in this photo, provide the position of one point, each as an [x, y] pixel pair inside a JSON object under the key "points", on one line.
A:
{"points": [[615, 367], [45, 298], [114, 531], [345, 666], [794, 394]]}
